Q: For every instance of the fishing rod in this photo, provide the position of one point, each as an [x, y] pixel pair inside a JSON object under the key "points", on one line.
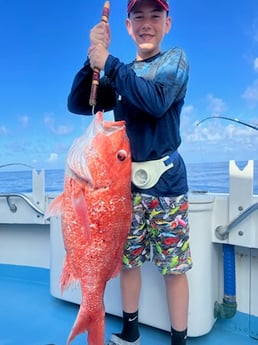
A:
{"points": [[96, 71], [253, 126], [11, 164]]}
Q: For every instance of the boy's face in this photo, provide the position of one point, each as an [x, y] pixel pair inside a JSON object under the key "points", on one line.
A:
{"points": [[147, 24]]}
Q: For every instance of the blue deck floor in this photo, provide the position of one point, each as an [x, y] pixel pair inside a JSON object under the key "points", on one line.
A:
{"points": [[29, 315]]}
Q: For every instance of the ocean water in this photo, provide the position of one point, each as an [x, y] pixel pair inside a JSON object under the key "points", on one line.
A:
{"points": [[208, 177]]}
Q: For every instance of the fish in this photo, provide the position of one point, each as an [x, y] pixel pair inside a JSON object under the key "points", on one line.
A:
{"points": [[96, 213]]}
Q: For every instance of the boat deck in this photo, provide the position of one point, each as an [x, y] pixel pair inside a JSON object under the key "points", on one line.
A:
{"points": [[29, 315]]}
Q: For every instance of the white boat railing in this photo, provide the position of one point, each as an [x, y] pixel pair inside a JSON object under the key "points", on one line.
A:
{"points": [[13, 207], [25, 208], [222, 232]]}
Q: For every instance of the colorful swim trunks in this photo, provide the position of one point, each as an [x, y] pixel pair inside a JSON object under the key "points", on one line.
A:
{"points": [[159, 233]]}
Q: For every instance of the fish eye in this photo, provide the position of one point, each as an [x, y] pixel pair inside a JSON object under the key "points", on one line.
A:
{"points": [[121, 155]]}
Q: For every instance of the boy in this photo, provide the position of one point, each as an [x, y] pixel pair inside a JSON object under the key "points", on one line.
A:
{"points": [[148, 94]]}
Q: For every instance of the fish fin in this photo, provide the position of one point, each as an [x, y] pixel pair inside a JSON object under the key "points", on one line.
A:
{"points": [[81, 211], [56, 207], [66, 276], [117, 269]]}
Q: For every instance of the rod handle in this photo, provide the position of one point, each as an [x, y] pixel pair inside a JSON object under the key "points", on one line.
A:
{"points": [[96, 71]]}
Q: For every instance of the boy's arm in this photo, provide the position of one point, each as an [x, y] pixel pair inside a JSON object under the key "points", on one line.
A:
{"points": [[155, 96], [78, 99]]}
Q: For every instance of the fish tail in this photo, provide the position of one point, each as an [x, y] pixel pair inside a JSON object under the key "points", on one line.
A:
{"points": [[96, 330], [94, 324]]}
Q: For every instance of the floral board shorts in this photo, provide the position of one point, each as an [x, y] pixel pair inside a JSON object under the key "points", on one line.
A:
{"points": [[159, 233]]}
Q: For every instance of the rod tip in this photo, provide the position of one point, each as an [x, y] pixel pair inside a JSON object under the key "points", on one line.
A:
{"points": [[107, 4]]}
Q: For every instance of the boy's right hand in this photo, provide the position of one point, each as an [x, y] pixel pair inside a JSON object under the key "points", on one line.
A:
{"points": [[100, 34]]}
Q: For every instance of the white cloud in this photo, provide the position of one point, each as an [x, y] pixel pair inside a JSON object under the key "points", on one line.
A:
{"points": [[255, 30], [187, 118], [53, 157], [215, 140], [240, 134], [256, 64], [187, 110], [63, 130], [251, 94], [24, 120], [211, 131], [215, 105], [3, 130], [49, 121], [218, 130], [57, 129]]}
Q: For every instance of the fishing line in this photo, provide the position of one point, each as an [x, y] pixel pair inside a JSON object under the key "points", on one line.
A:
{"points": [[253, 126]]}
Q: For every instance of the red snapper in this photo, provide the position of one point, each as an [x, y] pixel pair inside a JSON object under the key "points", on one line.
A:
{"points": [[95, 209]]}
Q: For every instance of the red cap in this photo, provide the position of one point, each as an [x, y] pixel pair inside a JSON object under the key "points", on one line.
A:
{"points": [[162, 3]]}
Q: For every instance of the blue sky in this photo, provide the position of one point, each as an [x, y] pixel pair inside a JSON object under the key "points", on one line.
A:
{"points": [[44, 43]]}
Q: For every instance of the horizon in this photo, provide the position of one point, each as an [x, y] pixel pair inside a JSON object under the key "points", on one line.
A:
{"points": [[21, 167], [203, 177]]}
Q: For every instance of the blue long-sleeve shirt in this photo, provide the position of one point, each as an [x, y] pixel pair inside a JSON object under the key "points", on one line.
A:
{"points": [[149, 96]]}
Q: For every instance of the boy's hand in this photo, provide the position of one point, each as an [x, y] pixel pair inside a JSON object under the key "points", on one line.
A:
{"points": [[100, 34], [98, 55], [100, 38]]}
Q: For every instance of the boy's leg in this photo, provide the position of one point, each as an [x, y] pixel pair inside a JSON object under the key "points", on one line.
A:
{"points": [[178, 299], [135, 253], [130, 282], [172, 257]]}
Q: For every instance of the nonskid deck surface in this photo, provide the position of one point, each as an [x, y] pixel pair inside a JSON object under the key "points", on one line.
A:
{"points": [[29, 315]]}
